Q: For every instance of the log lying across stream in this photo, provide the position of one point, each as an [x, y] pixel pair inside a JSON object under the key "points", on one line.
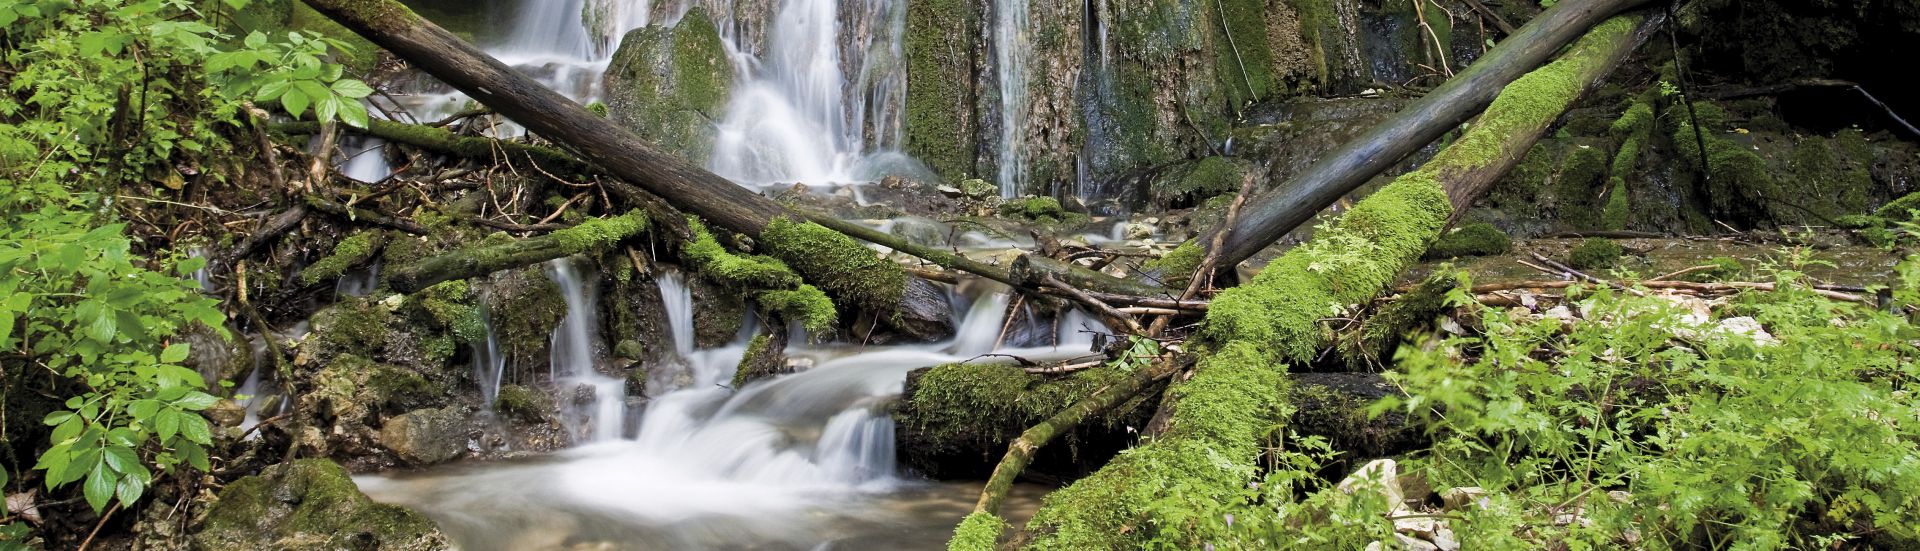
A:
{"points": [[1235, 397]]}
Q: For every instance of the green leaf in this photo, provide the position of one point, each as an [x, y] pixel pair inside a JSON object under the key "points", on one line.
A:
{"points": [[100, 486], [167, 423], [256, 39], [295, 101], [130, 489], [273, 90], [327, 108], [103, 327], [195, 429], [121, 458], [353, 113], [196, 401], [174, 353], [351, 88]]}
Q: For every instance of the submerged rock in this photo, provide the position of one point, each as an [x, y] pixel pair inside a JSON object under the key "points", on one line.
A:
{"points": [[310, 505]]}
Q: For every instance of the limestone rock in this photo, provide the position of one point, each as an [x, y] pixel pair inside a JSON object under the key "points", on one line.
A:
{"points": [[426, 436], [310, 505]]}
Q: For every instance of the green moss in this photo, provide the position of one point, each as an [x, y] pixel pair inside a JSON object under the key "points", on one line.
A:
{"points": [[1343, 265], [984, 406], [1540, 95], [744, 373], [843, 267], [1038, 209], [356, 325], [451, 305], [1725, 268], [1595, 254], [310, 505], [978, 532], [1480, 239], [667, 84], [805, 304], [598, 233], [1900, 209], [1177, 266], [939, 45], [1243, 56], [352, 251], [629, 349], [975, 188], [712, 260], [1202, 179], [1582, 172], [1382, 332], [521, 402], [1205, 457]]}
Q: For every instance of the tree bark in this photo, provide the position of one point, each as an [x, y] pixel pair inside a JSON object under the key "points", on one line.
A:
{"points": [[1020, 452], [1274, 213]]}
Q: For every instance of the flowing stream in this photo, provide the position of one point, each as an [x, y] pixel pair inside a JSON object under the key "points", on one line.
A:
{"points": [[800, 461]]}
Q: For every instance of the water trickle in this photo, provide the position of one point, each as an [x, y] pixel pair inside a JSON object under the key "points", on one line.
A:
{"points": [[358, 282], [593, 405], [1010, 46], [489, 365]]}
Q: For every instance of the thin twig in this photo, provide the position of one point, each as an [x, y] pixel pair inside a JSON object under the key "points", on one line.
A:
{"points": [[1096, 304]]}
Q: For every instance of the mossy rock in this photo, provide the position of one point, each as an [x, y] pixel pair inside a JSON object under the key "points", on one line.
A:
{"points": [[523, 403], [1044, 210], [357, 326], [957, 419], [525, 306], [426, 436], [310, 505], [354, 391], [1595, 254], [1480, 239], [1197, 181], [942, 39], [666, 83]]}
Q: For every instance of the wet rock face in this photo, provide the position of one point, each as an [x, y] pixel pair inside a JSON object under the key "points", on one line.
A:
{"points": [[310, 505], [666, 83], [426, 436]]}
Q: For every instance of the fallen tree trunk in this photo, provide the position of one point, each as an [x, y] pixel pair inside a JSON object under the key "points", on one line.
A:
{"points": [[1287, 206], [486, 259], [1222, 414]]}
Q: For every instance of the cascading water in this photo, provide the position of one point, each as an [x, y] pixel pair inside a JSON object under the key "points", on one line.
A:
{"points": [[820, 105], [592, 404], [489, 365], [1010, 47]]}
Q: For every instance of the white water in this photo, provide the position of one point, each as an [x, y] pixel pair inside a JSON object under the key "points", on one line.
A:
{"points": [[1010, 47], [811, 107], [489, 365], [592, 405]]}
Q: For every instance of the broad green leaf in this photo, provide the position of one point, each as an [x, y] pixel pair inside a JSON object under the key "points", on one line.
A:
{"points": [[351, 88], [130, 489], [354, 114], [121, 458], [100, 486], [174, 353], [103, 327], [295, 102], [166, 424], [195, 429], [196, 401]]}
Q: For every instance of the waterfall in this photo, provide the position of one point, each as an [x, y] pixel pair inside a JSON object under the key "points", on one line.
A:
{"points": [[812, 108], [358, 282], [592, 404], [1010, 46], [488, 363]]}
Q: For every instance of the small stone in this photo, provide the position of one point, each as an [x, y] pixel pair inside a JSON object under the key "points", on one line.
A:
{"points": [[1561, 313], [1746, 327], [227, 413], [1381, 475], [1414, 544], [949, 191], [1444, 539], [1620, 497], [1136, 230], [1414, 524]]}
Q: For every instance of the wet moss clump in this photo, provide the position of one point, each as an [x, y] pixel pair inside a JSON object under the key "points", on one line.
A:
{"points": [[1176, 268], [310, 505], [1479, 239], [977, 531], [1200, 180], [353, 251], [1595, 254], [451, 306], [773, 285], [521, 403], [939, 46], [355, 325], [844, 268], [1045, 210], [1900, 209], [805, 304], [957, 410]]}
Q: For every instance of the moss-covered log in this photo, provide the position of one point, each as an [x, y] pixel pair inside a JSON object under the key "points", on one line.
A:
{"points": [[1287, 206], [487, 258], [1211, 446]]}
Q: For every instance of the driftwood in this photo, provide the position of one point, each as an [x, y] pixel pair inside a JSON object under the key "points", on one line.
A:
{"points": [[1274, 213]]}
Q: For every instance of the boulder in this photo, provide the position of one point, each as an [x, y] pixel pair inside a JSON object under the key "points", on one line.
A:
{"points": [[665, 83], [426, 436], [310, 505]]}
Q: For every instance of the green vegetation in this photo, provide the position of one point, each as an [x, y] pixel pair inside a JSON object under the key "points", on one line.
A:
{"points": [[1595, 254], [1480, 239], [667, 84], [770, 282]]}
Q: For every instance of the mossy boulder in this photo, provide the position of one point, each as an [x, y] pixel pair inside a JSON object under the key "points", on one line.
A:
{"points": [[354, 392], [310, 505], [1595, 254], [1191, 183], [525, 306], [524, 403], [941, 44], [1044, 210], [666, 83], [1480, 239], [957, 419]]}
